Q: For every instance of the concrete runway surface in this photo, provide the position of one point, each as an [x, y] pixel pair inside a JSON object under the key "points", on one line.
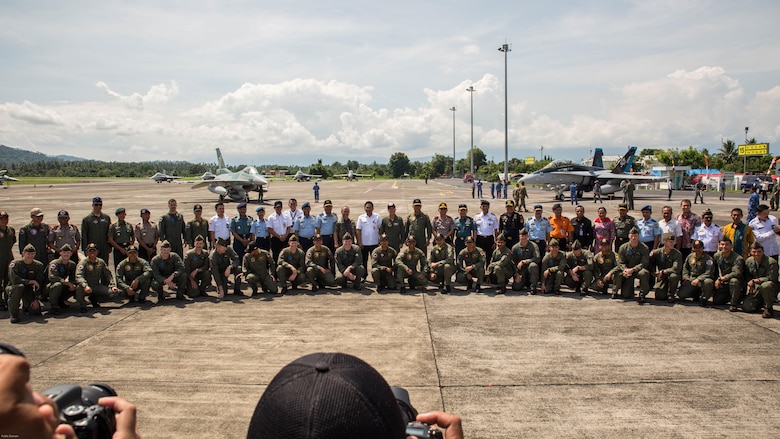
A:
{"points": [[511, 365]]}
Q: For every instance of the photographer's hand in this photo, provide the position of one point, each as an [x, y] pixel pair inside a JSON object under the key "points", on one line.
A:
{"points": [[450, 423], [125, 417]]}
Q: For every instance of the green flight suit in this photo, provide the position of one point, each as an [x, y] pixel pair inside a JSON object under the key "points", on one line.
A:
{"points": [[555, 266], [445, 264], [349, 258], [219, 264], [527, 256], [638, 259], [289, 260], [162, 269], [703, 269], [622, 227], [316, 261], [123, 235], [764, 275], [94, 229], [670, 267], [501, 269], [259, 269], [195, 227], [383, 267], [421, 228], [394, 229], [604, 266], [729, 271], [199, 264], [19, 290], [38, 236], [127, 272], [61, 275], [415, 261], [474, 259], [584, 267], [171, 227], [96, 275], [7, 241]]}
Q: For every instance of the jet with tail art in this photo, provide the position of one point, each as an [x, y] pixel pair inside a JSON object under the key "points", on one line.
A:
{"points": [[559, 174], [351, 175], [235, 186]]}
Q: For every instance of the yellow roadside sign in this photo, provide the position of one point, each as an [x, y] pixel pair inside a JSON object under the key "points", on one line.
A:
{"points": [[530, 160], [753, 149]]}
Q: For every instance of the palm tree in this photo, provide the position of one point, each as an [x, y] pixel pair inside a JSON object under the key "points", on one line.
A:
{"points": [[728, 150]]}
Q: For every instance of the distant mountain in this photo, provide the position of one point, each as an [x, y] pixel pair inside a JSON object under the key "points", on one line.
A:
{"points": [[69, 158], [10, 156]]}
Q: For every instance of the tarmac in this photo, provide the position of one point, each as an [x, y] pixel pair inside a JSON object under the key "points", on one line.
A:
{"points": [[510, 365]]}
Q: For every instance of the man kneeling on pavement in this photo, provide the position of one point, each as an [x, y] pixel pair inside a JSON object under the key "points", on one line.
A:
{"points": [[633, 263], [168, 270], [579, 269]]}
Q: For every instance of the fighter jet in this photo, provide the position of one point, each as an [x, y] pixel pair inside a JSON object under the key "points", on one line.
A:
{"points": [[160, 177], [561, 173], [351, 175], [5, 178], [208, 176], [301, 176], [235, 185]]}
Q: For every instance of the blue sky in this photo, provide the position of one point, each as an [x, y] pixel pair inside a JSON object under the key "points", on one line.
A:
{"points": [[290, 82]]}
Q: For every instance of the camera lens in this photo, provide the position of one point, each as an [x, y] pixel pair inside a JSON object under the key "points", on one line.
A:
{"points": [[93, 392]]}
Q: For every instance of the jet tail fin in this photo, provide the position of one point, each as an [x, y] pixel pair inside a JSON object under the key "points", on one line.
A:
{"points": [[597, 158], [220, 162], [624, 164]]}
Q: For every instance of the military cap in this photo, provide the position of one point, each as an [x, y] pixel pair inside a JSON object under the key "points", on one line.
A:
{"points": [[293, 238], [144, 211], [440, 236], [66, 248], [317, 237], [197, 207], [391, 205], [305, 205], [553, 243], [119, 210], [92, 247], [442, 205], [411, 238], [462, 207], [633, 231], [416, 202], [697, 243], [707, 213], [604, 242], [647, 207], [384, 237], [576, 246], [484, 203], [241, 206], [510, 202], [223, 242], [36, 212], [260, 208], [669, 236], [251, 247], [132, 249], [469, 239], [523, 231], [623, 206], [165, 244], [328, 203], [3, 214], [537, 207], [63, 214], [29, 248], [199, 238], [97, 200], [500, 238], [278, 203]]}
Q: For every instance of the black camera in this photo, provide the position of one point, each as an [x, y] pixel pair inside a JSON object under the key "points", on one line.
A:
{"points": [[420, 430], [79, 407]]}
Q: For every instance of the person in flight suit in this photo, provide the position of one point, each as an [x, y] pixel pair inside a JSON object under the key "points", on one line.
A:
{"points": [[168, 270], [501, 269], [120, 236], [510, 224], [411, 264], [349, 263], [197, 268], [198, 226], [36, 232], [761, 272], [171, 227], [26, 277], [623, 224], [259, 269], [7, 241], [223, 261], [62, 279], [291, 265], [553, 268], [604, 267], [94, 280], [383, 264], [94, 230], [134, 276], [320, 265], [471, 265], [525, 257], [728, 274], [698, 273], [441, 265], [419, 225], [633, 263], [579, 269], [666, 263]]}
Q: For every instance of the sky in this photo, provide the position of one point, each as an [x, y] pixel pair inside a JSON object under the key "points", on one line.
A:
{"points": [[296, 81]]}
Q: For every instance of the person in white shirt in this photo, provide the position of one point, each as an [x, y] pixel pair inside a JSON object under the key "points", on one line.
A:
{"points": [[279, 227], [367, 232], [219, 225], [708, 233], [670, 225], [293, 212], [765, 230], [487, 229]]}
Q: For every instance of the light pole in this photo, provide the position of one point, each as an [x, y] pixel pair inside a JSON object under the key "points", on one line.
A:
{"points": [[506, 49], [541, 152], [744, 157], [453, 141], [471, 151]]}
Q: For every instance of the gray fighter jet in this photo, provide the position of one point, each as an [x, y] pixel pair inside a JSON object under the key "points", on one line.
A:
{"points": [[235, 186]]}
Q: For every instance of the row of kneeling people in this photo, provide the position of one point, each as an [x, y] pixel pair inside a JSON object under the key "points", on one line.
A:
{"points": [[723, 278]]}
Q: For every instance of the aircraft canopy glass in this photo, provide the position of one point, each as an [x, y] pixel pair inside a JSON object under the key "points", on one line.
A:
{"points": [[558, 163]]}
